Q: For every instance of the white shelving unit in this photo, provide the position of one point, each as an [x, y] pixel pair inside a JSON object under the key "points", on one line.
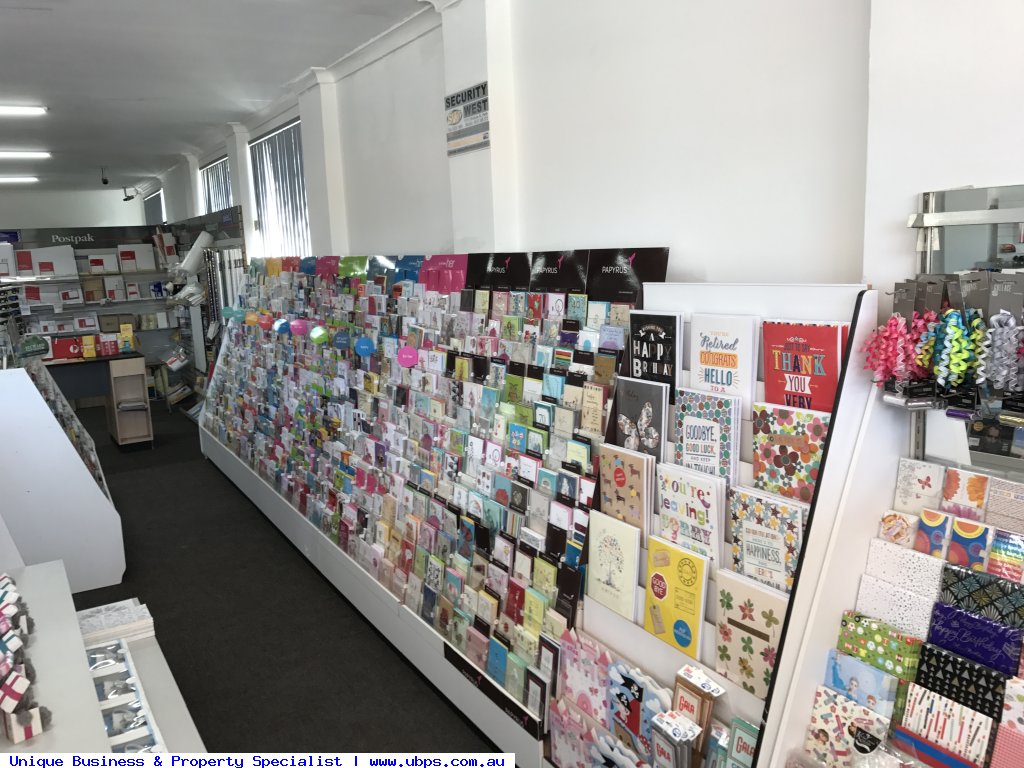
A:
{"points": [[52, 506], [418, 642], [857, 305]]}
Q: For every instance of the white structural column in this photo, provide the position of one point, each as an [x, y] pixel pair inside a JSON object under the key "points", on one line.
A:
{"points": [[477, 48], [323, 169], [237, 142], [194, 201]]}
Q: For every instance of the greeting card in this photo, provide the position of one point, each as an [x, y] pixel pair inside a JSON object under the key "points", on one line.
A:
{"points": [[918, 486], [961, 730], [642, 416], [964, 493], [899, 528], [690, 510], [633, 701], [861, 682], [788, 447], [676, 590], [801, 363], [583, 672], [968, 543], [830, 733], [767, 536], [913, 570], [625, 478], [932, 533], [1006, 556], [962, 680], [614, 563], [907, 611], [879, 644], [723, 355], [707, 431], [750, 619], [976, 638], [983, 594], [1004, 506], [655, 346]]}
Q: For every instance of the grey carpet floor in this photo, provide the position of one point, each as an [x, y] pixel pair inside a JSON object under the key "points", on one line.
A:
{"points": [[267, 654]]}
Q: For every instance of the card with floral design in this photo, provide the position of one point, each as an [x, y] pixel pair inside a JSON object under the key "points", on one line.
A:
{"points": [[750, 619], [964, 493], [879, 644], [767, 535], [788, 446]]}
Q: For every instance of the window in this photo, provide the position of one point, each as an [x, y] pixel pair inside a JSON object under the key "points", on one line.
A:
{"points": [[216, 186], [154, 207], [280, 189]]}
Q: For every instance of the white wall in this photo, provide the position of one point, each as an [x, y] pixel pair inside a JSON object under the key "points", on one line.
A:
{"points": [[26, 208], [732, 132], [944, 112], [397, 191], [177, 194]]}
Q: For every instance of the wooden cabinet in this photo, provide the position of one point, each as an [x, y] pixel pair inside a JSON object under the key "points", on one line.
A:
{"points": [[128, 416]]}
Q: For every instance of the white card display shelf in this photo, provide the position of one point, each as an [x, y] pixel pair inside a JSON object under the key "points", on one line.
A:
{"points": [[53, 507], [65, 685], [410, 635], [844, 303]]}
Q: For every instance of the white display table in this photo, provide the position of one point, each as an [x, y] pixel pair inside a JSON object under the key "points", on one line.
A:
{"points": [[65, 686]]}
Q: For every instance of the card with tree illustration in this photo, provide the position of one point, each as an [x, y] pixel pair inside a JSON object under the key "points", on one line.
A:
{"points": [[750, 619], [614, 564]]}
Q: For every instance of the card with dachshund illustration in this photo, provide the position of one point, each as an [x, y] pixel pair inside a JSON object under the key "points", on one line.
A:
{"points": [[627, 479]]}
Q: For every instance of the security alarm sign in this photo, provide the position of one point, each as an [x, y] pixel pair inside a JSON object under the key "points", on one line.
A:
{"points": [[469, 125]]}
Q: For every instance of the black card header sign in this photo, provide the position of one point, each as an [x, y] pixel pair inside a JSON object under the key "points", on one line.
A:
{"points": [[618, 274], [559, 271], [499, 271]]}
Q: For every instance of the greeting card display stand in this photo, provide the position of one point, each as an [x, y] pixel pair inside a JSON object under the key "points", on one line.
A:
{"points": [[845, 303], [502, 718]]}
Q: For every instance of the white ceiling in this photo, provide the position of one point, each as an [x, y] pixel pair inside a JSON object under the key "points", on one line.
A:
{"points": [[131, 84]]}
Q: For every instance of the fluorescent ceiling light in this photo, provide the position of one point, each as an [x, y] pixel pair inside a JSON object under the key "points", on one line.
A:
{"points": [[21, 154], [18, 179], [9, 110]]}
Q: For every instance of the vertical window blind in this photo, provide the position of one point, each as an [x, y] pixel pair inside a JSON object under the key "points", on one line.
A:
{"points": [[217, 186], [154, 208], [280, 190]]}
